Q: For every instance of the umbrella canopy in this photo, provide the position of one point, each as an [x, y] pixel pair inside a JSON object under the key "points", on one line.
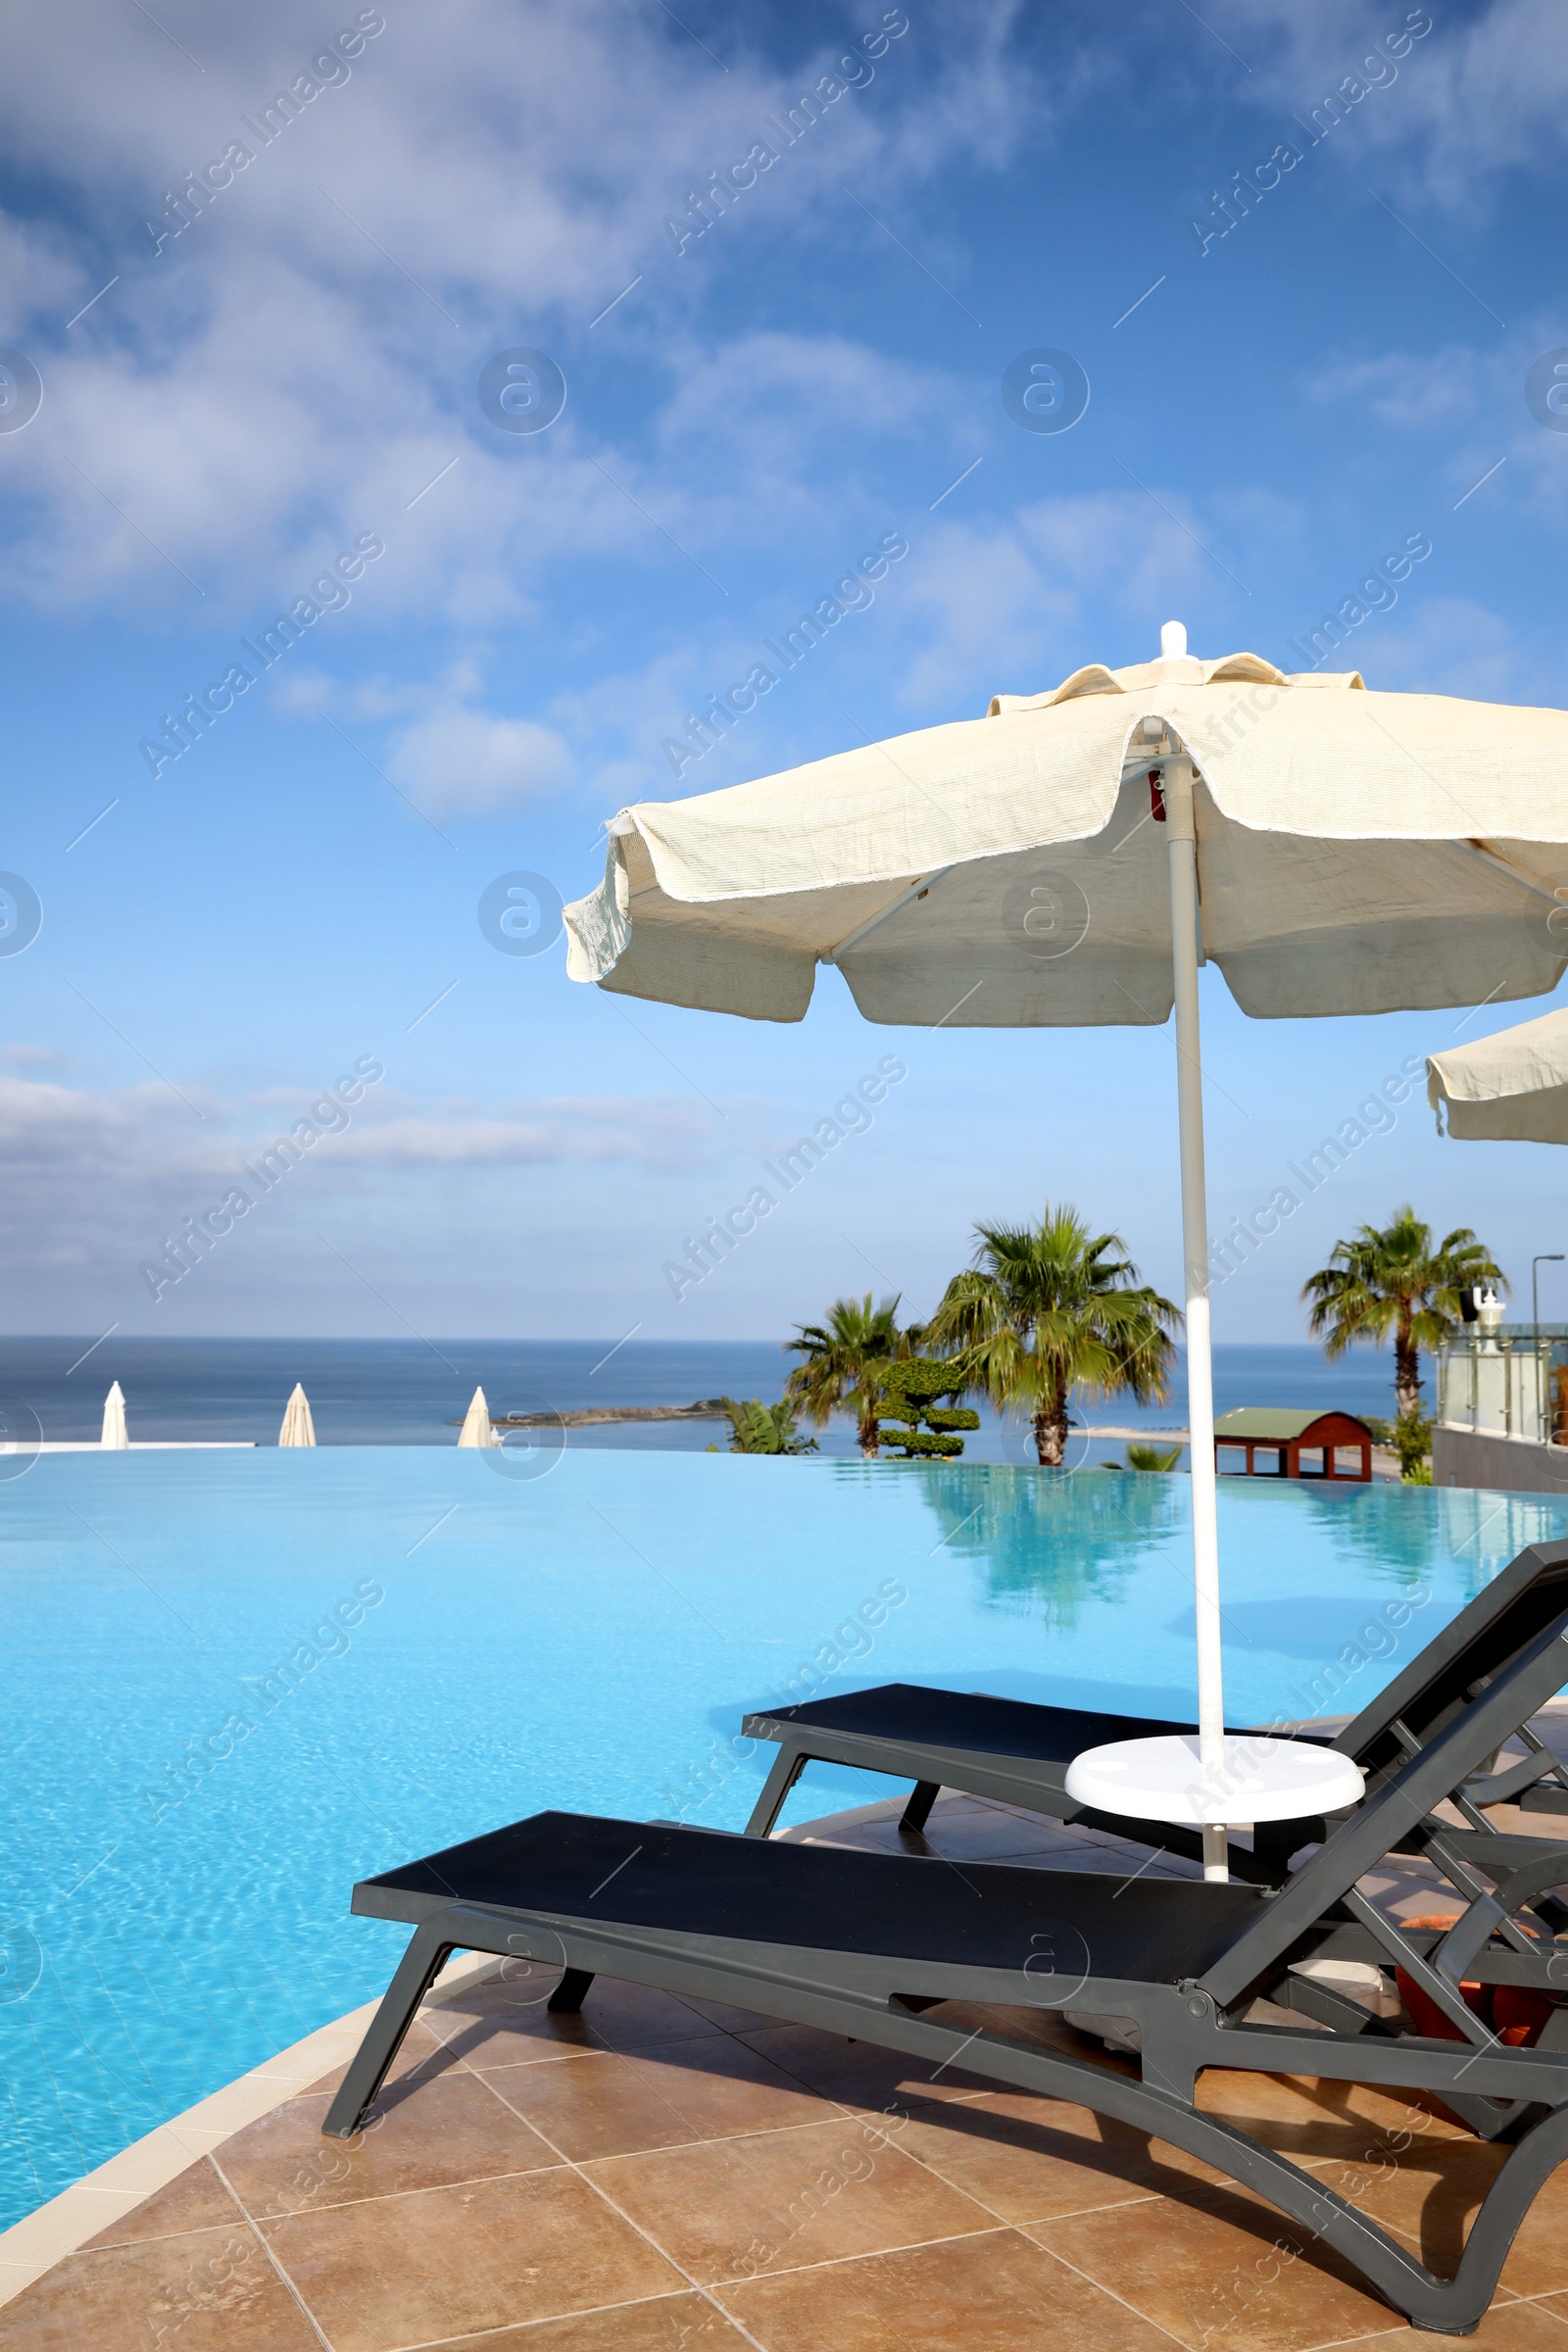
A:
{"points": [[115, 1431], [1357, 853], [476, 1429], [1513, 1087], [1074, 856], [298, 1428]]}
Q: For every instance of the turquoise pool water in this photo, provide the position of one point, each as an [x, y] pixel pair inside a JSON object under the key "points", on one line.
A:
{"points": [[380, 1650]]}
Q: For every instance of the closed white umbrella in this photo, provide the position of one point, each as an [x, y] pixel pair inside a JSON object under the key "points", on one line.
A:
{"points": [[115, 1434], [298, 1428], [1513, 1086], [476, 1429], [1333, 851]]}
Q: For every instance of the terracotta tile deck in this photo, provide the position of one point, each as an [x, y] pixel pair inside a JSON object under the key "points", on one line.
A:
{"points": [[667, 2175]]}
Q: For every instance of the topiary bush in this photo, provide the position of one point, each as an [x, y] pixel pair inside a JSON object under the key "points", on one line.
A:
{"points": [[911, 1389]]}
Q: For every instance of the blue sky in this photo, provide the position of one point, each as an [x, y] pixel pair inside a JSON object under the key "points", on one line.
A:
{"points": [[297, 371]]}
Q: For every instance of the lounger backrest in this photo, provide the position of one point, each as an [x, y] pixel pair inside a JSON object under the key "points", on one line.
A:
{"points": [[1484, 1638], [1378, 1827]]}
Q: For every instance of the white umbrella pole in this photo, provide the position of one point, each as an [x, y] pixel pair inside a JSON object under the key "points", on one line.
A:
{"points": [[1182, 843]]}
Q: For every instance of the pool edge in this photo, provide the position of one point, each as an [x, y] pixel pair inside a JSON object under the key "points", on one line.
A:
{"points": [[64, 2225]]}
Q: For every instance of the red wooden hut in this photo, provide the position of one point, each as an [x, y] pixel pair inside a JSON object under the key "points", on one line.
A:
{"points": [[1325, 1438]]}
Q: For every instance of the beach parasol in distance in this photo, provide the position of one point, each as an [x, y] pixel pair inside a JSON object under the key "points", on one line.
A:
{"points": [[477, 1428], [115, 1433], [1072, 859], [1511, 1087], [298, 1429]]}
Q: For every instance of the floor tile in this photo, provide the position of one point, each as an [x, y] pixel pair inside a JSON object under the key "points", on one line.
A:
{"points": [[1298, 2115], [511, 2024], [450, 2127], [1206, 2266], [685, 2323], [726, 2016], [211, 2290], [1030, 2159], [609, 2105], [996, 2294], [1432, 2191], [861, 2074], [195, 2199], [634, 2017], [731, 2207], [417, 2269], [1506, 2327], [422, 2053], [509, 2015]]}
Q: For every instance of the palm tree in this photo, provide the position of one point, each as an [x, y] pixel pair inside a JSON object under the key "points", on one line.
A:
{"points": [[1050, 1309], [1394, 1281], [759, 1428], [841, 1356]]}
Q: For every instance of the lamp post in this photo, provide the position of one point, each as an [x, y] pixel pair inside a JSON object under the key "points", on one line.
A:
{"points": [[1546, 1257]]}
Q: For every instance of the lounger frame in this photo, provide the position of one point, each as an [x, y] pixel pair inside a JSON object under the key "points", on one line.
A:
{"points": [[1184, 2026]]}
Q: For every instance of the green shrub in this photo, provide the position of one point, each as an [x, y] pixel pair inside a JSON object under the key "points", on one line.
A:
{"points": [[911, 1389], [759, 1428], [1153, 1458], [1411, 1441]]}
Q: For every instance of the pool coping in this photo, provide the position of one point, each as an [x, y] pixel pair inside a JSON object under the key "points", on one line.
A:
{"points": [[62, 2225]]}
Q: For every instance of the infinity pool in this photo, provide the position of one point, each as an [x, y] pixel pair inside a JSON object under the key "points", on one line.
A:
{"points": [[235, 1683]]}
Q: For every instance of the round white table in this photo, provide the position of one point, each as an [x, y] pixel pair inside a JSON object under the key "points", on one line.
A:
{"points": [[1257, 1779]]}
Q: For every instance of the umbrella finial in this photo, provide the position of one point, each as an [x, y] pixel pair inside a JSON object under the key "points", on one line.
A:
{"points": [[1173, 641]]}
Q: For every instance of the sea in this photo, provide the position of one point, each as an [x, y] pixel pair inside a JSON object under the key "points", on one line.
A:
{"points": [[416, 1391]]}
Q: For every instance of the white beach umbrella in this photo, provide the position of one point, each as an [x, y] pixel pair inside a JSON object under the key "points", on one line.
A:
{"points": [[114, 1432], [1333, 851], [1513, 1087], [298, 1428], [476, 1429]]}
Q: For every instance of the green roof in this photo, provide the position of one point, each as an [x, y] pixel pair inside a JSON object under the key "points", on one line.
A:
{"points": [[1268, 1423]]}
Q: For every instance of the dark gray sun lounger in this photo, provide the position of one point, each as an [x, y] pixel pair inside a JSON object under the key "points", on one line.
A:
{"points": [[1009, 1749], [868, 1944]]}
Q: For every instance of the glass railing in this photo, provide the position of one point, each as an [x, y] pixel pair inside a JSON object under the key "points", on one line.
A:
{"points": [[1512, 1383]]}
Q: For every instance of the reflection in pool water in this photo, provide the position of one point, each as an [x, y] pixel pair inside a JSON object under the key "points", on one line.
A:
{"points": [[197, 1771]]}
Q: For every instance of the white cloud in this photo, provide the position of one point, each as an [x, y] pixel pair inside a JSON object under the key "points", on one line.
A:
{"points": [[92, 1184], [301, 359], [1471, 99], [1427, 391], [463, 763], [642, 1127]]}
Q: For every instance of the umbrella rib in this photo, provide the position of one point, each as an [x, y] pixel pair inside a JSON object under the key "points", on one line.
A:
{"points": [[903, 899], [1505, 866]]}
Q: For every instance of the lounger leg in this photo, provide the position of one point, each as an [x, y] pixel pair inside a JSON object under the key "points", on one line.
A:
{"points": [[568, 1996], [427, 1954], [787, 1770], [917, 1812]]}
